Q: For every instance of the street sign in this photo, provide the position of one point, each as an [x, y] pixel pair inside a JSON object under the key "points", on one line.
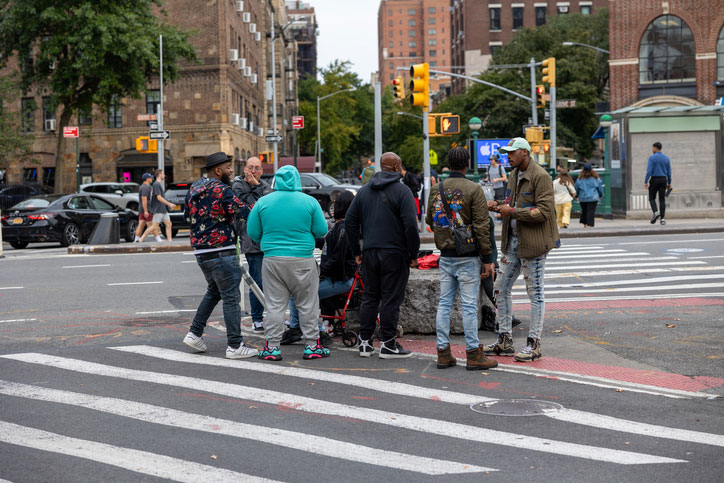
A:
{"points": [[298, 122], [450, 125], [565, 103], [146, 117], [433, 157], [70, 132], [153, 126], [273, 139], [159, 134], [486, 147]]}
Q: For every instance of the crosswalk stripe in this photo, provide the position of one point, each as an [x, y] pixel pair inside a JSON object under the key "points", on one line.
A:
{"points": [[660, 288], [302, 403], [197, 422], [552, 255], [578, 251], [620, 265], [653, 280], [627, 297], [403, 389], [609, 273], [556, 262], [129, 459]]}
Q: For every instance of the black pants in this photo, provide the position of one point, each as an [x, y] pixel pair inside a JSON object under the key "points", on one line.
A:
{"points": [[657, 184], [588, 212], [385, 274]]}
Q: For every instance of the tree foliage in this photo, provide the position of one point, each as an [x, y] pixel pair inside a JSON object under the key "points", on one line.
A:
{"points": [[14, 144], [89, 52]]}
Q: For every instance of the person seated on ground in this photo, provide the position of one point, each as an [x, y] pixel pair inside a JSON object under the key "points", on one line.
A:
{"points": [[337, 269]]}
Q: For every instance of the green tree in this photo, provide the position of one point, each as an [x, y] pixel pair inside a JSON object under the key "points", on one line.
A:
{"points": [[14, 144], [89, 52]]}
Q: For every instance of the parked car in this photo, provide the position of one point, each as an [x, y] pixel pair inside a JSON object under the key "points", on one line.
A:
{"points": [[14, 194], [176, 194], [124, 195], [324, 188], [68, 219]]}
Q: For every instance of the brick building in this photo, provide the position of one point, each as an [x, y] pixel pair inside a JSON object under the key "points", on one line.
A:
{"points": [[217, 104], [304, 31], [411, 32], [478, 29]]}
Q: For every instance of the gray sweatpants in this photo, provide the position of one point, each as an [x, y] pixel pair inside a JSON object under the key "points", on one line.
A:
{"points": [[281, 277]]}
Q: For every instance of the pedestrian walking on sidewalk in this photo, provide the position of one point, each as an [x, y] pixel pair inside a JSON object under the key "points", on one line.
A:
{"points": [[212, 208], [249, 189], [497, 176], [383, 213], [285, 224], [658, 181], [144, 205], [159, 209], [456, 203], [589, 191], [565, 191], [529, 232]]}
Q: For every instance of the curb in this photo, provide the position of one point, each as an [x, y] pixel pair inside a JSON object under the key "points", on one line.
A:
{"points": [[128, 248]]}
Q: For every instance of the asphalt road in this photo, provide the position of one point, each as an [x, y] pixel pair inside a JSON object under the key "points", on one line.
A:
{"points": [[95, 383]]}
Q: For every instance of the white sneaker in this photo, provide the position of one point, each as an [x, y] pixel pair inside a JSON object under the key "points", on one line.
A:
{"points": [[159, 239], [195, 342], [241, 353]]}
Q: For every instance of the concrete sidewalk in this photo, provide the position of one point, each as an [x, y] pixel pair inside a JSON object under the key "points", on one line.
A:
{"points": [[603, 228]]}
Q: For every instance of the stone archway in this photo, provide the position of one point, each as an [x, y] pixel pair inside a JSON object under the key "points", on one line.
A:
{"points": [[666, 101]]}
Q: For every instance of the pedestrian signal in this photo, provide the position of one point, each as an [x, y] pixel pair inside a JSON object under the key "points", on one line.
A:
{"points": [[267, 157], [420, 85], [450, 125], [144, 144], [398, 88]]}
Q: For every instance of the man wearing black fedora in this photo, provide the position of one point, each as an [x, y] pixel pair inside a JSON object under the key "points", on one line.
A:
{"points": [[212, 208]]}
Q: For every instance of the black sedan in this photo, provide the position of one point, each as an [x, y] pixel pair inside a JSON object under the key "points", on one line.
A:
{"points": [[176, 194], [68, 219], [324, 189]]}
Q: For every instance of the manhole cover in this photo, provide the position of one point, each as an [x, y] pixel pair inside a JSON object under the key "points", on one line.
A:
{"points": [[516, 407]]}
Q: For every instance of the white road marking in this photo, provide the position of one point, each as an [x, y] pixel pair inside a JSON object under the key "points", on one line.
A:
{"points": [[668, 242], [630, 297], [133, 283], [16, 320], [87, 266], [410, 390], [300, 441], [589, 266], [662, 288], [572, 248], [653, 280], [189, 261], [165, 311], [306, 404], [129, 459], [11, 288], [612, 260], [553, 256], [705, 258], [609, 273], [579, 251]]}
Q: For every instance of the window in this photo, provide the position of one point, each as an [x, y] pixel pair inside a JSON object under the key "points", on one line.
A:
{"points": [[433, 53], [114, 114], [391, 44], [667, 52], [412, 33], [540, 16], [411, 11], [79, 203], [434, 63], [49, 176], [48, 110], [431, 10], [412, 43], [413, 53], [412, 22], [153, 101], [84, 117], [562, 9], [30, 174], [309, 182], [432, 32], [494, 18], [389, 12], [389, 22], [431, 21], [720, 55], [100, 204], [392, 76], [28, 114], [392, 33], [494, 49], [392, 66], [432, 42], [517, 18], [586, 9]]}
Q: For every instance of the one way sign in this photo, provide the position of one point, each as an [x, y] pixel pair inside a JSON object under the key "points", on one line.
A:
{"points": [[159, 134]]}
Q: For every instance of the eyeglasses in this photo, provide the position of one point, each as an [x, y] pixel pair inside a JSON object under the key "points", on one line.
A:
{"points": [[253, 168]]}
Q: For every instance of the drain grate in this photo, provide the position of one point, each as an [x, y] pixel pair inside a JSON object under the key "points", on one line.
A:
{"points": [[516, 407]]}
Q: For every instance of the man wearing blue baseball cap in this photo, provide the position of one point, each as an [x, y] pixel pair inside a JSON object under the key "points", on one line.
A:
{"points": [[529, 233]]}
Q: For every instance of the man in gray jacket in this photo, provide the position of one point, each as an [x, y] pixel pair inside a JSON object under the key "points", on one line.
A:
{"points": [[249, 189]]}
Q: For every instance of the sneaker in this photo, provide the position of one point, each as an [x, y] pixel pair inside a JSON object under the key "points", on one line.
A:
{"points": [[654, 218], [530, 352], [316, 352], [502, 347], [663, 222], [392, 349], [195, 342], [270, 354], [366, 349], [158, 239], [242, 352], [258, 326], [324, 338], [291, 335]]}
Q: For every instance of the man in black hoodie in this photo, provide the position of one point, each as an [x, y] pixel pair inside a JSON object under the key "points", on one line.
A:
{"points": [[384, 212]]}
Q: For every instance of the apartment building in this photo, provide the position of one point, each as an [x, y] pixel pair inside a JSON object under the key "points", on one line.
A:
{"points": [[304, 31]]}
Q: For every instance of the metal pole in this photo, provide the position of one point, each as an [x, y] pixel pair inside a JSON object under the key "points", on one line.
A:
{"points": [[553, 128], [475, 156], [533, 93], [607, 208], [294, 133], [426, 163], [378, 126], [77, 164], [160, 104], [1, 238], [319, 140], [274, 95]]}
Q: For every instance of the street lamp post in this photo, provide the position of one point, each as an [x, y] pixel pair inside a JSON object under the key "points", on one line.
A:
{"points": [[475, 124], [319, 124], [604, 51], [605, 122]]}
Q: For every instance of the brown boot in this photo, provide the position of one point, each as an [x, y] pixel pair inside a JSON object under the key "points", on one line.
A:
{"points": [[445, 358], [477, 360]]}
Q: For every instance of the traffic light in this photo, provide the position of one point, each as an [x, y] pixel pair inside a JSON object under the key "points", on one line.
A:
{"points": [[450, 125], [420, 85], [547, 147], [549, 71], [534, 135], [540, 92], [398, 88], [266, 157], [144, 144]]}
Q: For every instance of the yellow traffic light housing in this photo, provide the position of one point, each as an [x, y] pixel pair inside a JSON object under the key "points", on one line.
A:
{"points": [[398, 88], [420, 85], [549, 71], [266, 157], [449, 125], [534, 135], [144, 144], [540, 91]]}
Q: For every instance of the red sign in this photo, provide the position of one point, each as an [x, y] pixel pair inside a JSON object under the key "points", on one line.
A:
{"points": [[70, 132], [298, 122], [146, 117]]}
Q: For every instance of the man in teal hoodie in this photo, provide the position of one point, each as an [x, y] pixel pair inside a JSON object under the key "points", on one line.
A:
{"points": [[285, 224]]}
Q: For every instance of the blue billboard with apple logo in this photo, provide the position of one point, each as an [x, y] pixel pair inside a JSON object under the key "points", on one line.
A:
{"points": [[487, 147]]}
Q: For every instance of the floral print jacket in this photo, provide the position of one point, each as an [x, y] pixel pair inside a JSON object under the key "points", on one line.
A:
{"points": [[212, 208]]}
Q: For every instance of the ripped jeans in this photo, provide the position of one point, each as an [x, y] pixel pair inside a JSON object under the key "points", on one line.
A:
{"points": [[533, 270]]}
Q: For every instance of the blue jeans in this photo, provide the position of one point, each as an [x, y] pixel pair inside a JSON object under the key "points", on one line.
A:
{"points": [[462, 273], [327, 288], [533, 270], [255, 261], [223, 276]]}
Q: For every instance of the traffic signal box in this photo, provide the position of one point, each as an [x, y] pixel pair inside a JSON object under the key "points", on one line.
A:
{"points": [[398, 88], [267, 157], [144, 144], [420, 85], [538, 145], [449, 124], [540, 91], [549, 71]]}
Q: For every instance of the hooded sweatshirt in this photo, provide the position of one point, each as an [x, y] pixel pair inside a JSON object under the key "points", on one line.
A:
{"points": [[286, 221], [212, 209], [392, 226]]}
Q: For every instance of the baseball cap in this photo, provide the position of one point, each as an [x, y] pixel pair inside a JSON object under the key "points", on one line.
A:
{"points": [[146, 176], [515, 144], [587, 166]]}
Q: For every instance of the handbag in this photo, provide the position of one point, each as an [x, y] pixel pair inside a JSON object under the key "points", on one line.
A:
{"points": [[465, 243]]}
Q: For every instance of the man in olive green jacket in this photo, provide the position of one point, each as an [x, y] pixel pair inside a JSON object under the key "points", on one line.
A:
{"points": [[529, 233]]}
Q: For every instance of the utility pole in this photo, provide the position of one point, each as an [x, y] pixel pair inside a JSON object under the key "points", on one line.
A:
{"points": [[159, 117], [378, 125], [274, 95], [533, 94], [549, 76]]}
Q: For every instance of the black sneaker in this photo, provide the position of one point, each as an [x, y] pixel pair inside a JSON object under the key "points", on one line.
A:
{"points": [[392, 349], [324, 338], [366, 349], [654, 218], [291, 335]]}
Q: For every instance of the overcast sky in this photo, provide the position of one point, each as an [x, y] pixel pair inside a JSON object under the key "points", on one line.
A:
{"points": [[348, 31]]}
